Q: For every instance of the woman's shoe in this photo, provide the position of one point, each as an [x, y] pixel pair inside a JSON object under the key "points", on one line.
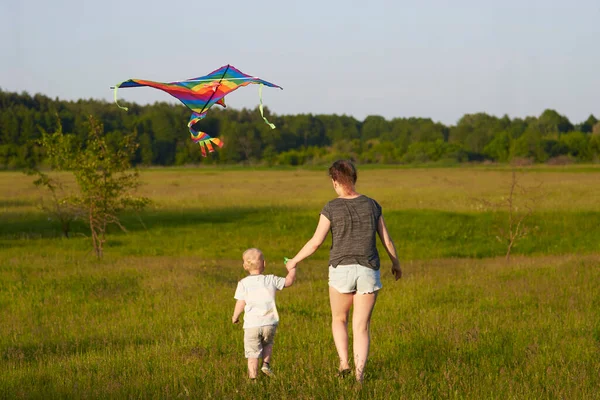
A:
{"points": [[344, 373]]}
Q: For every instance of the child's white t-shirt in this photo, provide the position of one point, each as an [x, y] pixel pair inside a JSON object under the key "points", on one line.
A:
{"points": [[258, 291]]}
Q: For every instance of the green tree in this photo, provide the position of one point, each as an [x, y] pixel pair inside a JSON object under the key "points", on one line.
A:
{"points": [[425, 130], [146, 154], [59, 207], [380, 152], [103, 174], [550, 122], [577, 144], [9, 128], [421, 152], [340, 128], [476, 131], [588, 125], [499, 148], [554, 147], [529, 145], [374, 126], [595, 145]]}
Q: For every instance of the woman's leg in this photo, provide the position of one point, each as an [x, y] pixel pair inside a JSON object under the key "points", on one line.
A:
{"points": [[361, 318], [340, 306]]}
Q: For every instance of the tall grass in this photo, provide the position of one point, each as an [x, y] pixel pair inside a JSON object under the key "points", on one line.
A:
{"points": [[152, 319], [160, 327]]}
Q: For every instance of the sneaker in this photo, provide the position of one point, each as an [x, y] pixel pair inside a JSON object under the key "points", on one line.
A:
{"points": [[266, 370]]}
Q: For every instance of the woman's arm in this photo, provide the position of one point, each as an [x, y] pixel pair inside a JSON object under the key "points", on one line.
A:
{"points": [[388, 243], [313, 244]]}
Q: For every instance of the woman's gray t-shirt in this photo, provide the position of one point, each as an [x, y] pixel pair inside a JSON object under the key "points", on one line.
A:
{"points": [[353, 231]]}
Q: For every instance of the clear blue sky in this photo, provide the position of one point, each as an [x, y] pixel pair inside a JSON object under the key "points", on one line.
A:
{"points": [[430, 58]]}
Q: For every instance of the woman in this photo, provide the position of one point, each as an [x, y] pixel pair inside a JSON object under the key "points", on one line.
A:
{"points": [[354, 278]]}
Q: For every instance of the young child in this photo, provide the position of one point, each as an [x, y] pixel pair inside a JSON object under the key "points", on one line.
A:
{"points": [[255, 295]]}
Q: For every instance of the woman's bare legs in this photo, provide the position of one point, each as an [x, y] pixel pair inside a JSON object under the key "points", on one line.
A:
{"points": [[340, 307], [361, 319]]}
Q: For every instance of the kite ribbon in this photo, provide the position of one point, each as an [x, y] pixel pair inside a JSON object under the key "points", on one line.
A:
{"points": [[260, 107], [115, 93]]}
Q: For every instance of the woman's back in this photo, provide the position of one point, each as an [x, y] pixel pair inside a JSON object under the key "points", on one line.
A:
{"points": [[353, 231]]}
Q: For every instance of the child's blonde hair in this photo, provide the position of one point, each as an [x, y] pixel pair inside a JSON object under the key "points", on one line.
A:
{"points": [[253, 259]]}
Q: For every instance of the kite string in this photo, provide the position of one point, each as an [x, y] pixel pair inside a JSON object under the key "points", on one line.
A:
{"points": [[260, 106]]}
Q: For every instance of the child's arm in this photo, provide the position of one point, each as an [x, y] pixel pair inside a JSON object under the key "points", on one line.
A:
{"points": [[239, 308], [290, 277]]}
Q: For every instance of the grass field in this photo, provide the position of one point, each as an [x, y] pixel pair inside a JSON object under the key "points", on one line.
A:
{"points": [[152, 319]]}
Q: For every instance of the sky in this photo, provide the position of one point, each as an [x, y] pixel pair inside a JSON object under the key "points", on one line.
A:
{"points": [[430, 58]]}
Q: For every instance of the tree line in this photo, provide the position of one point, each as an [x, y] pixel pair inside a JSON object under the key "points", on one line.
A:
{"points": [[163, 138]]}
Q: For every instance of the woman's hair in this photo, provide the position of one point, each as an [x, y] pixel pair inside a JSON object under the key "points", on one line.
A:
{"points": [[343, 172]]}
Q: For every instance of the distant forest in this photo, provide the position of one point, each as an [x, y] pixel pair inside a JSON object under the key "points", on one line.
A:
{"points": [[303, 139]]}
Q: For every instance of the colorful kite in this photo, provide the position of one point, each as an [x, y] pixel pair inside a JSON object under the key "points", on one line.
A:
{"points": [[200, 94]]}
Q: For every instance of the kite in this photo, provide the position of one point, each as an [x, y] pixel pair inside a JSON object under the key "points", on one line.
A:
{"points": [[200, 94]]}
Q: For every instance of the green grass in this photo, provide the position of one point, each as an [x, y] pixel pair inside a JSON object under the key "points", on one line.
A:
{"points": [[420, 234], [152, 319]]}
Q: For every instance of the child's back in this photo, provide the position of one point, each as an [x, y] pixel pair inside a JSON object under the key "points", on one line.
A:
{"points": [[258, 291], [255, 295]]}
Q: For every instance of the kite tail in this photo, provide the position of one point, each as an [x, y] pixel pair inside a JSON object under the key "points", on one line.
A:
{"points": [[260, 107], [115, 94], [202, 138], [206, 144]]}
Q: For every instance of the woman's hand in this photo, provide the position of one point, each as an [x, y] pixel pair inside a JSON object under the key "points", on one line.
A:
{"points": [[291, 264], [396, 271], [386, 239]]}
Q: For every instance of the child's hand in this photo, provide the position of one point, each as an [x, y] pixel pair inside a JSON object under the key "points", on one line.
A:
{"points": [[235, 320], [290, 264]]}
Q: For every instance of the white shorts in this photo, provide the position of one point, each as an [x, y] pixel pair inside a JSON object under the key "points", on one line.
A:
{"points": [[354, 278], [255, 339]]}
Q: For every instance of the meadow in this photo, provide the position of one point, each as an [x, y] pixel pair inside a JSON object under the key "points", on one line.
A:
{"points": [[152, 318]]}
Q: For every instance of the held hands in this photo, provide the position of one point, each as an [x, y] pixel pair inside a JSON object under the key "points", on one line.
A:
{"points": [[396, 271], [290, 264]]}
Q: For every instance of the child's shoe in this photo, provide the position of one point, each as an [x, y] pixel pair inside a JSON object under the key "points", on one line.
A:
{"points": [[266, 370]]}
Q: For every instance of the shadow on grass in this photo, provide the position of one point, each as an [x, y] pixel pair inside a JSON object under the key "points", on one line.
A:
{"points": [[5, 203], [36, 352], [419, 234], [17, 226]]}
